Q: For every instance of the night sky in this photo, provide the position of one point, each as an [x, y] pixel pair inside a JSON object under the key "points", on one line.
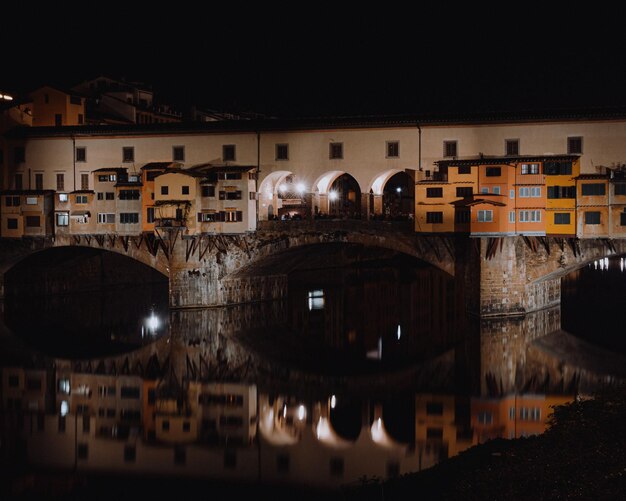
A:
{"points": [[322, 60]]}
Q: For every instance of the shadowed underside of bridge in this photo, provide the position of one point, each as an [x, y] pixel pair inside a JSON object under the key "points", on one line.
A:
{"points": [[499, 276]]}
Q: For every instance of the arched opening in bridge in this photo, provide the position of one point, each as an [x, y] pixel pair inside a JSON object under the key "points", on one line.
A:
{"points": [[352, 307], [398, 198], [344, 198], [284, 196], [80, 301]]}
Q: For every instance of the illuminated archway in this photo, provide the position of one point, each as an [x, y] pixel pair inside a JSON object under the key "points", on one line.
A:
{"points": [[337, 194], [398, 197], [269, 193]]}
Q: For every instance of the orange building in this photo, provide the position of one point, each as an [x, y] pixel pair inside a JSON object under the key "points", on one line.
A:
{"points": [[53, 106], [148, 173]]}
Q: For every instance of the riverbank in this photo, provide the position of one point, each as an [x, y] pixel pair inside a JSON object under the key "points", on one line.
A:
{"points": [[581, 456]]}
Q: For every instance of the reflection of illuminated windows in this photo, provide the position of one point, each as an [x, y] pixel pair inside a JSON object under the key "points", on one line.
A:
{"points": [[530, 414], [316, 300], [64, 386], [485, 418]]}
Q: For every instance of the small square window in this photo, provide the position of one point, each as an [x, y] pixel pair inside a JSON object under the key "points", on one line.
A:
{"points": [[511, 147], [282, 152], [228, 153], [165, 190], [450, 149], [336, 151], [393, 149], [574, 145], [178, 153], [185, 190], [128, 154]]}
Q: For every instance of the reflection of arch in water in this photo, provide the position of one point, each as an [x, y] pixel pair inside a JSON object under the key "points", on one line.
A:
{"points": [[338, 194], [392, 193]]}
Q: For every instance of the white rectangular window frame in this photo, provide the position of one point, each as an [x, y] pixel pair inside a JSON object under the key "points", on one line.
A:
{"points": [[63, 219], [512, 216], [31, 200], [496, 190], [484, 189], [524, 192], [530, 216], [485, 216], [535, 191], [512, 194], [106, 218]]}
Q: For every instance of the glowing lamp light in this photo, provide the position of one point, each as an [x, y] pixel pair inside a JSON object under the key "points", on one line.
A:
{"points": [[332, 195], [333, 402], [300, 188], [64, 408], [399, 189], [6, 97], [301, 412], [153, 322]]}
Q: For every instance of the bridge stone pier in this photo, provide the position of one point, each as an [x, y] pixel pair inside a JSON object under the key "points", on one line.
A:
{"points": [[495, 276]]}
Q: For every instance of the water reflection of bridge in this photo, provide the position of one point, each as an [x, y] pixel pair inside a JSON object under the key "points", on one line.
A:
{"points": [[293, 433]]}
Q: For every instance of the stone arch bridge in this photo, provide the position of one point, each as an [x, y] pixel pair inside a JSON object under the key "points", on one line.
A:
{"points": [[499, 276]]}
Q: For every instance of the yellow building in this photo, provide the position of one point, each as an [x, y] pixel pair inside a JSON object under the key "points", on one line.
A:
{"points": [[148, 174], [26, 213], [53, 106], [592, 206], [560, 181]]}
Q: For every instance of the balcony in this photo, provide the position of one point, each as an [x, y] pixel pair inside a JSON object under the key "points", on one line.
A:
{"points": [[167, 222]]}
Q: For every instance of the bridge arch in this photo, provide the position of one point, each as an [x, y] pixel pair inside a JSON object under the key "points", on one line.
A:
{"points": [[337, 194]]}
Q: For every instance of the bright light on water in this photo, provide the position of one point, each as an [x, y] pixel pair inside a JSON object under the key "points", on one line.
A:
{"points": [[333, 402], [301, 412]]}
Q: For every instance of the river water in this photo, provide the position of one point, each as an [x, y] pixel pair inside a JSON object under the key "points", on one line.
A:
{"points": [[381, 341]]}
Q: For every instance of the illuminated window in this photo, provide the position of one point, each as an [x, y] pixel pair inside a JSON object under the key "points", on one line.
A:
{"points": [[316, 299], [63, 219], [64, 386], [530, 169], [107, 178], [31, 200]]}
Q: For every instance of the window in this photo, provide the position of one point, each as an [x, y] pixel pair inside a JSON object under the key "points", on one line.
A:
{"points": [[207, 217], [63, 219], [58, 119], [484, 189], [530, 414], [230, 195], [32, 222], [109, 195], [18, 181], [231, 216], [557, 168], [81, 199], [81, 154], [150, 214], [165, 190], [129, 218], [530, 216], [561, 218], [535, 191], [493, 171], [12, 201], [130, 453], [434, 433], [530, 169], [465, 169], [282, 463], [496, 190], [574, 145], [434, 217], [63, 197], [485, 216], [19, 154], [592, 217], [484, 418], [129, 194], [561, 191], [393, 149], [282, 152], [229, 175], [511, 413], [60, 181], [84, 181], [620, 188], [450, 149], [228, 153], [107, 178], [104, 218], [622, 218], [75, 100], [208, 191], [593, 189], [185, 190], [464, 192], [524, 192], [434, 192], [434, 409], [511, 147], [511, 216], [336, 151], [31, 200], [178, 153], [38, 181], [12, 223], [336, 467], [128, 154]]}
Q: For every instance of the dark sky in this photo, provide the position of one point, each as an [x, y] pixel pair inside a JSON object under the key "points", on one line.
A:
{"points": [[325, 61]]}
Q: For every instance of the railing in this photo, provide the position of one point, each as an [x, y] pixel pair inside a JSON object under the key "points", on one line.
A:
{"points": [[338, 225]]}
